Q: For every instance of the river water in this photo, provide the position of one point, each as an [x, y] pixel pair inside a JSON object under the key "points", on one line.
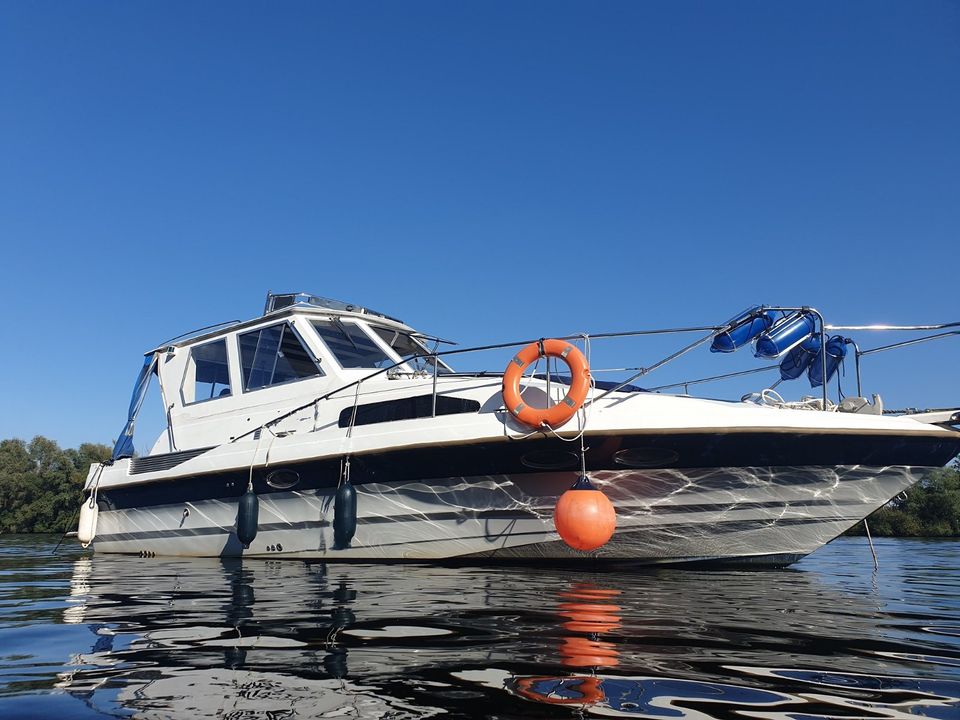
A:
{"points": [[85, 636]]}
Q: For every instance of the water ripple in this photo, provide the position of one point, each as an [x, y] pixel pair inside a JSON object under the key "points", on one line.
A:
{"points": [[112, 636]]}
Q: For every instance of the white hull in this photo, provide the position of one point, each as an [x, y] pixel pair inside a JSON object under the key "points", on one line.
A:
{"points": [[268, 417], [750, 514]]}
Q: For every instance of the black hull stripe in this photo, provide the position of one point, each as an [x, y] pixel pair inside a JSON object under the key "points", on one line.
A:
{"points": [[715, 527], [520, 514], [662, 451]]}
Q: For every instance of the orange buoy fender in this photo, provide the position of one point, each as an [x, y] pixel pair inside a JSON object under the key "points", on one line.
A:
{"points": [[565, 409], [584, 516]]}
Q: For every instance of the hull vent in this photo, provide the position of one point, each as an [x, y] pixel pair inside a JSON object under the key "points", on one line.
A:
{"points": [[155, 463]]}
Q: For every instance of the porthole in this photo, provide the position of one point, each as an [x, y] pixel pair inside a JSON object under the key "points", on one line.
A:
{"points": [[283, 479], [645, 457], [550, 460]]}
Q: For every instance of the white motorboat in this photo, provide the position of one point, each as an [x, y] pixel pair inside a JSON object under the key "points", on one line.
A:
{"points": [[327, 430]]}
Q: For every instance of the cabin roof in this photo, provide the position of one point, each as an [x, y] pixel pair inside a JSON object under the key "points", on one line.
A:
{"points": [[282, 305]]}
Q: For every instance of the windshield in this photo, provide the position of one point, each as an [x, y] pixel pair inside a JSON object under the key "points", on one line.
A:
{"points": [[350, 345], [410, 350], [353, 347]]}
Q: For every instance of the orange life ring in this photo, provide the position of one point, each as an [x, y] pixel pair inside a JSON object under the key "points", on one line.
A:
{"points": [[565, 409]]}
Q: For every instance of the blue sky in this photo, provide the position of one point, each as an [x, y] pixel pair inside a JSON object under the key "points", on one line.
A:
{"points": [[486, 171]]}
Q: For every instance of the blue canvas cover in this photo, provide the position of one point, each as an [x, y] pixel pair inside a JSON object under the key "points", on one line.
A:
{"points": [[124, 446]]}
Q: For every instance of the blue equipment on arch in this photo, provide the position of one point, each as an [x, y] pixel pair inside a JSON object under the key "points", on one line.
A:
{"points": [[836, 351], [786, 334], [741, 329], [798, 360]]}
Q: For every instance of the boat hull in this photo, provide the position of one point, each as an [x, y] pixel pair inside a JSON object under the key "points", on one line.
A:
{"points": [[755, 515]]}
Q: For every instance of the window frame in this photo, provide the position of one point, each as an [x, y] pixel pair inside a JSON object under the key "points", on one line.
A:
{"points": [[186, 369], [413, 336], [396, 361], [317, 360]]}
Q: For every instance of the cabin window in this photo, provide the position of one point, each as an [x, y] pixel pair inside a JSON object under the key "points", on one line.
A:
{"points": [[352, 347], [410, 350], [410, 408], [274, 355], [208, 374]]}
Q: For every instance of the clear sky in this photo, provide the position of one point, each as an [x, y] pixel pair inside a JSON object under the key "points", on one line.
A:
{"points": [[484, 170]]}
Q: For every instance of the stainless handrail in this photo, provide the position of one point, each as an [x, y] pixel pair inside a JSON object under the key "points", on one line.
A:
{"points": [[713, 330], [461, 351], [885, 328], [725, 376], [648, 370], [905, 343]]}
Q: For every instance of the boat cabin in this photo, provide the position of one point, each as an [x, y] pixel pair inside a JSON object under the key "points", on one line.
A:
{"points": [[220, 382]]}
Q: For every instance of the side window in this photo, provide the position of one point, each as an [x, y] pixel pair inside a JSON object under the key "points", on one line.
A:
{"points": [[274, 355], [352, 347], [207, 375]]}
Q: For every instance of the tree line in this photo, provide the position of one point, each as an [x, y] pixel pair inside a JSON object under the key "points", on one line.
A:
{"points": [[41, 484], [41, 487], [931, 508]]}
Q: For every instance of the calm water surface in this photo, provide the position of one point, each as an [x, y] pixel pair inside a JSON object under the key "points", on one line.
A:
{"points": [[110, 636]]}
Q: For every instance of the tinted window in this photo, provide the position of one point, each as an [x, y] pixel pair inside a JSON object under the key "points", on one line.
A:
{"points": [[208, 375], [409, 408], [352, 347], [274, 355]]}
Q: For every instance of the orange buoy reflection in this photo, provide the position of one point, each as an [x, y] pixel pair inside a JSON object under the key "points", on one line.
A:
{"points": [[584, 652], [587, 610], [561, 691], [588, 613]]}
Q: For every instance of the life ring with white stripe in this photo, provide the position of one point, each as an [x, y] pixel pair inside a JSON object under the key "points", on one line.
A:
{"points": [[560, 413]]}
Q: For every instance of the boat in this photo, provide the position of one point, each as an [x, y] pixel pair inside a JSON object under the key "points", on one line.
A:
{"points": [[326, 430]]}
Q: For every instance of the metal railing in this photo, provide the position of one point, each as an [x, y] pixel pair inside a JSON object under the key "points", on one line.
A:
{"points": [[711, 330]]}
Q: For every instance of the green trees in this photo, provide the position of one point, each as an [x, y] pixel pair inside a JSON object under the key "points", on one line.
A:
{"points": [[930, 509], [41, 485]]}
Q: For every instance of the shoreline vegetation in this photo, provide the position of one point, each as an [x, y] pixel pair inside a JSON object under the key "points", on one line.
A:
{"points": [[931, 508], [41, 484], [41, 487]]}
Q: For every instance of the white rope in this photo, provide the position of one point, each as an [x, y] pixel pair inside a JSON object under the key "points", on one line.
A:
{"points": [[353, 416], [95, 485], [583, 412], [771, 398], [253, 460]]}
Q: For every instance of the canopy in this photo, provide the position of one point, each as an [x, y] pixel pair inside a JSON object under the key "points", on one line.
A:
{"points": [[124, 446]]}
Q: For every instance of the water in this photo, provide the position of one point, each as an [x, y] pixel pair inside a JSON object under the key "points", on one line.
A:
{"points": [[110, 636]]}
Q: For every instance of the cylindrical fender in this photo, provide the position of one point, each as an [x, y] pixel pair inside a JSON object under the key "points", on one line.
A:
{"points": [[248, 515], [344, 515], [87, 525]]}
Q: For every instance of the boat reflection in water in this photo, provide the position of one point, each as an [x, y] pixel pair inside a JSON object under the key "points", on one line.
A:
{"points": [[207, 638]]}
